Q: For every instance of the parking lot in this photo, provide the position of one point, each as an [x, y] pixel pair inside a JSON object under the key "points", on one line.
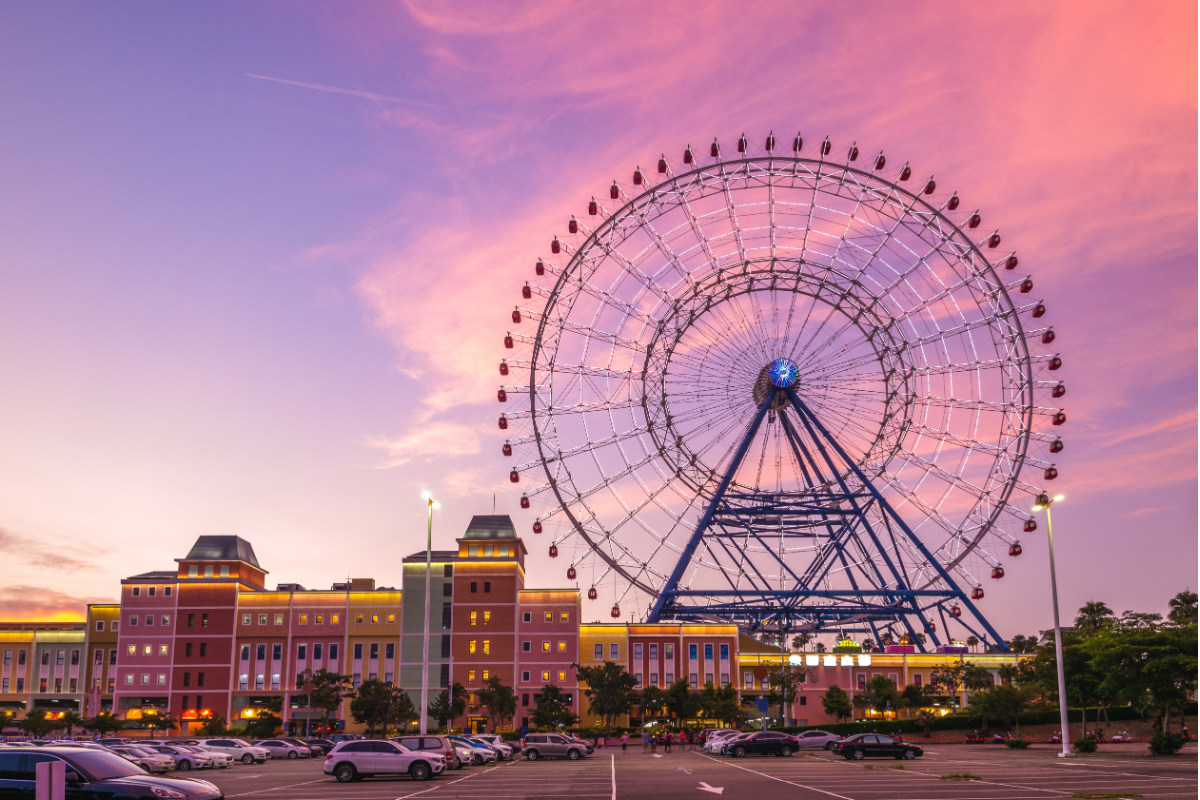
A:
{"points": [[996, 773]]}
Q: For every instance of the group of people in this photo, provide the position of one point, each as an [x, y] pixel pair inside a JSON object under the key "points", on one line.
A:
{"points": [[665, 739]]}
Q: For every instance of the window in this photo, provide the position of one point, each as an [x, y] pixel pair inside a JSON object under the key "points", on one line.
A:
{"points": [[562, 647], [187, 650], [187, 679], [708, 651], [748, 680], [693, 681], [317, 651], [487, 587], [562, 676], [166, 591], [669, 650], [279, 619], [527, 617], [470, 677], [358, 651], [445, 646], [133, 649], [526, 647], [145, 679], [471, 647], [133, 619], [302, 652], [444, 677], [152, 591], [708, 677], [99, 657], [149, 619], [389, 650], [917, 678], [191, 620], [391, 619], [448, 571], [525, 676], [447, 589], [546, 676], [185, 701], [637, 677], [637, 651], [276, 651], [137, 590], [304, 619], [245, 619], [693, 651], [358, 619], [545, 647], [115, 623], [474, 618], [474, 587], [724, 652], [204, 620], [525, 697], [245, 652], [487, 647], [334, 618], [653, 652], [320, 619], [208, 571], [374, 619], [99, 627], [485, 676], [333, 651], [670, 678], [599, 652], [487, 549], [374, 650], [203, 649], [225, 571], [162, 649], [724, 678], [128, 680], [193, 572], [487, 618], [60, 657], [446, 616], [654, 679], [112, 685], [564, 617], [260, 681], [614, 651], [260, 652], [166, 620], [243, 681], [472, 550], [549, 616], [262, 619], [112, 658], [274, 680]]}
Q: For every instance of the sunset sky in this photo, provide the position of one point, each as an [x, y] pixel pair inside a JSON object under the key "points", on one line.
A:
{"points": [[257, 258]]}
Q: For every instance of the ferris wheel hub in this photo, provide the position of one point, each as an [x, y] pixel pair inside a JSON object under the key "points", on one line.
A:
{"points": [[783, 373]]}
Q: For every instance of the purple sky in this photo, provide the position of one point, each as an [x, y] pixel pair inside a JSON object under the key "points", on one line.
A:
{"points": [[258, 257]]}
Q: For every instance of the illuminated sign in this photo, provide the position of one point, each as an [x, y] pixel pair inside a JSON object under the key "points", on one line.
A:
{"points": [[812, 660], [829, 661]]}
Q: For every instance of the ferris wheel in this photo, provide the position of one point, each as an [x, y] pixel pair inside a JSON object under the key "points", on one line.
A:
{"points": [[796, 390]]}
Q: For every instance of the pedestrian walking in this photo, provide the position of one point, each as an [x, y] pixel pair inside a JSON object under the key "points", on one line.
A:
{"points": [[667, 742], [624, 741], [645, 741]]}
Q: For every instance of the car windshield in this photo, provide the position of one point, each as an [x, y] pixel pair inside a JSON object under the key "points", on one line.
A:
{"points": [[98, 765], [240, 743], [141, 751]]}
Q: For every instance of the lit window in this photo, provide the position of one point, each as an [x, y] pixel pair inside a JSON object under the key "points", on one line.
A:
{"points": [[563, 617], [470, 677], [262, 619], [146, 650], [391, 619], [487, 647], [562, 647], [487, 618], [545, 647], [225, 571], [162, 649], [333, 619], [549, 616], [485, 676], [133, 649], [358, 619], [129, 679], [304, 619], [562, 676], [320, 619], [145, 679], [279, 619], [149, 619], [166, 620], [546, 677], [474, 617], [471, 647], [162, 679]]}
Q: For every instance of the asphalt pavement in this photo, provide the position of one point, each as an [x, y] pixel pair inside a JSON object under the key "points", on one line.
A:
{"points": [[946, 772]]}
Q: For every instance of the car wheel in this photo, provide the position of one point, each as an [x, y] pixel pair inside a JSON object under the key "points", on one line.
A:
{"points": [[859, 755], [739, 752], [573, 755], [531, 755], [829, 745], [785, 751], [293, 754], [185, 765], [910, 754], [248, 759], [420, 771], [344, 773]]}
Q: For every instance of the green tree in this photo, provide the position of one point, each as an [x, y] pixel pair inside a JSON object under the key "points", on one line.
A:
{"points": [[159, 721], [449, 705], [213, 726], [103, 723], [1183, 608], [37, 724], [70, 720], [972, 642], [721, 703], [801, 640], [785, 683], [960, 675], [681, 701], [1023, 644], [837, 703], [552, 709], [653, 702], [1083, 681], [498, 700], [1094, 615], [380, 706], [880, 694], [1138, 619], [1005, 703], [609, 689], [1147, 668]]}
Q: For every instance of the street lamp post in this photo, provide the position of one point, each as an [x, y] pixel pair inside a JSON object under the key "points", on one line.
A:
{"points": [[1043, 503], [424, 715]]}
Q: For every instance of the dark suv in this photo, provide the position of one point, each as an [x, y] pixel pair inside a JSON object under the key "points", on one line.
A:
{"points": [[94, 773]]}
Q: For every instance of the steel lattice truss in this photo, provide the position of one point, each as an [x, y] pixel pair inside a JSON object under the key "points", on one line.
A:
{"points": [[638, 371]]}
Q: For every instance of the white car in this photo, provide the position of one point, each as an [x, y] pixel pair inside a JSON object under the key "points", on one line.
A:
{"points": [[465, 756], [184, 759], [815, 740], [239, 749], [144, 757], [716, 741], [281, 749], [493, 739], [220, 760], [350, 761]]}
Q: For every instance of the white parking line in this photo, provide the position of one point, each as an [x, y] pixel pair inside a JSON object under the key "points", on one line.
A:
{"points": [[277, 788], [614, 775], [781, 780]]}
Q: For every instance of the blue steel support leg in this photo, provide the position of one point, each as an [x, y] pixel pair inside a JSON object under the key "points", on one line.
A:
{"points": [[685, 558]]}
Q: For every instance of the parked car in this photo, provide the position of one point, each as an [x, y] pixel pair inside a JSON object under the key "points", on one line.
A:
{"points": [[281, 749], [95, 773], [717, 741], [324, 745], [812, 740], [360, 758], [708, 733], [762, 743], [862, 745], [239, 749], [147, 759], [313, 750], [185, 759], [431, 744], [505, 749], [464, 755], [220, 760], [482, 753], [542, 745]]}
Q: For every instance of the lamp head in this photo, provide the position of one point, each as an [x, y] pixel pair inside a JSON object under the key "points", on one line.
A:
{"points": [[1041, 501]]}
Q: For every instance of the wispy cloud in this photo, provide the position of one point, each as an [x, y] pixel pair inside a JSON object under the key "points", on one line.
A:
{"points": [[427, 440], [20, 547], [360, 93], [43, 604]]}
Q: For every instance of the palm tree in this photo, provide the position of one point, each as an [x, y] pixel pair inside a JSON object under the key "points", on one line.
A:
{"points": [[972, 642], [1182, 608], [1094, 615], [70, 720]]}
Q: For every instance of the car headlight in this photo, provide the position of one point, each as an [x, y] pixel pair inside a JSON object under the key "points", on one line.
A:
{"points": [[162, 791]]}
